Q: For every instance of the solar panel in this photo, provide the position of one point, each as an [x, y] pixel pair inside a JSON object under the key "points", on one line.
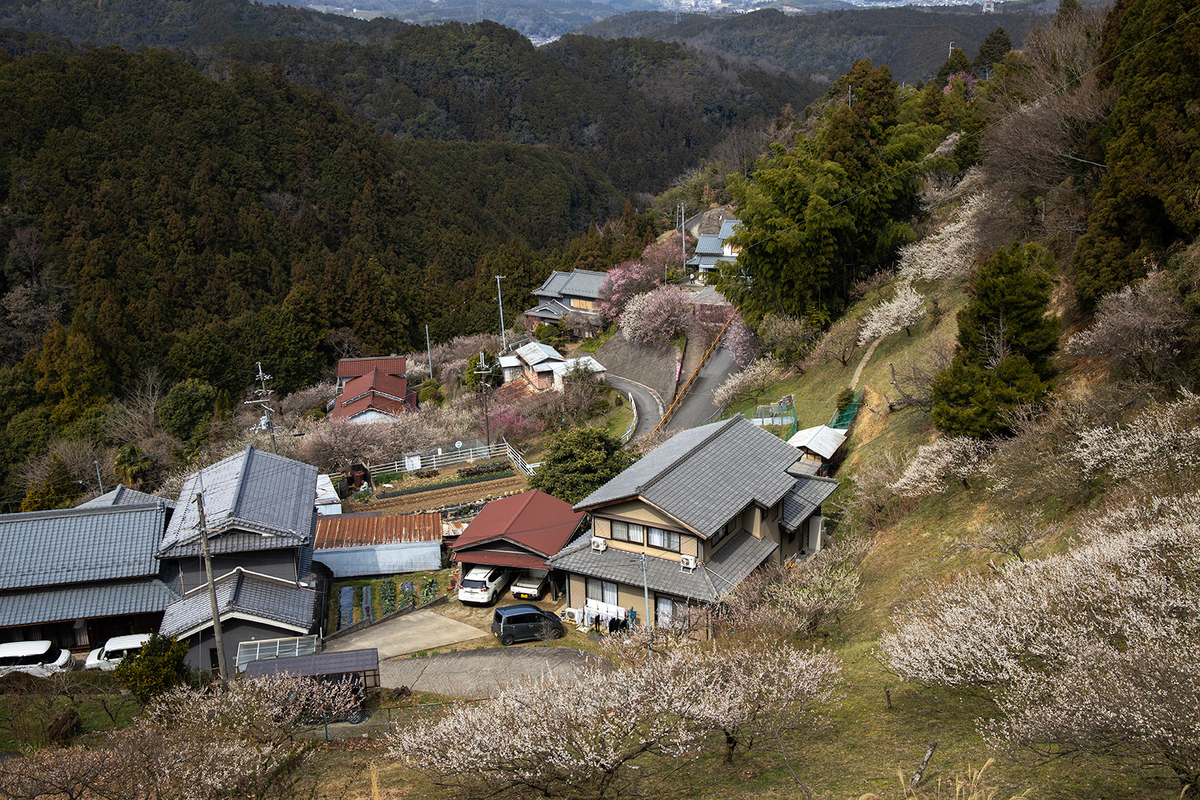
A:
{"points": [[315, 665]]}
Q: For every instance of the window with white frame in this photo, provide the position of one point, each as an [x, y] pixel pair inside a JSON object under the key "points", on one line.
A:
{"points": [[628, 531], [667, 540], [603, 591]]}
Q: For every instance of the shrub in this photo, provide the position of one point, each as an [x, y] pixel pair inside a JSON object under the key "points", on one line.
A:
{"points": [[156, 668]]}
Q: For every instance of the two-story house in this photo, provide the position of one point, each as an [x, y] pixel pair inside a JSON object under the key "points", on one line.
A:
{"points": [[704, 509], [715, 249], [260, 520], [567, 296], [372, 390]]}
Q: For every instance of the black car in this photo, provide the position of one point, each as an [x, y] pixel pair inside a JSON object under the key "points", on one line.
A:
{"points": [[525, 622]]}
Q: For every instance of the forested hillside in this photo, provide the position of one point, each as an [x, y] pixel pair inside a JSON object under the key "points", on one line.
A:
{"points": [[153, 216], [640, 112], [912, 42]]}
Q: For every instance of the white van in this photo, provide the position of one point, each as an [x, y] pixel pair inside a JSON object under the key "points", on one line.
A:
{"points": [[108, 657], [40, 657]]}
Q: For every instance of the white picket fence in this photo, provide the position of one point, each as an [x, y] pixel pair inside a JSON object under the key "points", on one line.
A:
{"points": [[450, 458]]}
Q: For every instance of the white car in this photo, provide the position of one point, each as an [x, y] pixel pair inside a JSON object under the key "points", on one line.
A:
{"points": [[482, 584], [107, 658], [40, 657]]}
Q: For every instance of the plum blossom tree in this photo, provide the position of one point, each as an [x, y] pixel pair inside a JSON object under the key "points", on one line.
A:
{"points": [[935, 463], [742, 342], [194, 745], [1090, 652], [1162, 440], [656, 317], [624, 282], [890, 316], [750, 382]]}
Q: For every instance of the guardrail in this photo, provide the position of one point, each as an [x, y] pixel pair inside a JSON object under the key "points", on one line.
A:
{"points": [[632, 425], [501, 449], [682, 393]]}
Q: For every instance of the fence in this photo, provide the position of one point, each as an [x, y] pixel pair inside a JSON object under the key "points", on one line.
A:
{"points": [[463, 455], [845, 415], [682, 393]]}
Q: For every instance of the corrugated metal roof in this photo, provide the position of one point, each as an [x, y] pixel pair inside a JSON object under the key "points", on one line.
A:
{"points": [[336, 663], [706, 475], [381, 559], [391, 365], [535, 353], [79, 545], [351, 530], [84, 602], [822, 440], [253, 500], [241, 592]]}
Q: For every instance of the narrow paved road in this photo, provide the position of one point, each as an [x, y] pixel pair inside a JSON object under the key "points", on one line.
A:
{"points": [[698, 406], [479, 673], [649, 406]]}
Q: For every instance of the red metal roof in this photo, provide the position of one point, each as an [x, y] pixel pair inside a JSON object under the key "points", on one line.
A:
{"points": [[389, 365], [492, 558], [533, 521], [353, 530]]}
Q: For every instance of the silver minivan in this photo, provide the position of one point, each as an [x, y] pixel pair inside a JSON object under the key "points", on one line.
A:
{"points": [[40, 657]]}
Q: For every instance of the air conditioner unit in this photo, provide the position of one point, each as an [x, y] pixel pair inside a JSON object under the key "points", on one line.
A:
{"points": [[598, 544], [687, 562]]}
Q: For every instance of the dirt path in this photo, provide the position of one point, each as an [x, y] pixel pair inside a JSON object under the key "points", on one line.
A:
{"points": [[436, 498]]}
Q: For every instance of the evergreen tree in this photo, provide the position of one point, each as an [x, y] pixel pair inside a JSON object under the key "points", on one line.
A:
{"points": [[993, 50], [956, 63], [578, 462]]}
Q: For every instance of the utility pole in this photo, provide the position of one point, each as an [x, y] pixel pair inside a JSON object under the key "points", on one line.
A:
{"points": [[428, 352], [500, 300], [682, 238], [850, 95], [263, 399], [485, 373], [649, 613], [97, 463], [950, 52], [212, 587]]}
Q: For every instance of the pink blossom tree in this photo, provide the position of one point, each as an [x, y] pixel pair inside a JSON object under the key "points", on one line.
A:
{"points": [[656, 317], [624, 282]]}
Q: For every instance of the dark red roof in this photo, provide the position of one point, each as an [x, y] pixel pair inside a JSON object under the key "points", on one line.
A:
{"points": [[353, 530], [533, 521], [375, 389], [390, 365]]}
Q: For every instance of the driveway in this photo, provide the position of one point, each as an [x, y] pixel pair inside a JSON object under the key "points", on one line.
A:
{"points": [[478, 673], [412, 633], [649, 406], [698, 406]]}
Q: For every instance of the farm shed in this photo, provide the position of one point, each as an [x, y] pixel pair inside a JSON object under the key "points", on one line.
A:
{"points": [[359, 545]]}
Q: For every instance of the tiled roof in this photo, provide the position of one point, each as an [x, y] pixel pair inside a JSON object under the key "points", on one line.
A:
{"points": [[708, 245], [727, 568], [390, 365], [241, 593], [803, 499], [728, 228], [822, 440], [704, 476], [583, 283], [371, 390], [79, 545], [533, 521], [90, 601], [253, 500], [124, 496], [352, 530]]}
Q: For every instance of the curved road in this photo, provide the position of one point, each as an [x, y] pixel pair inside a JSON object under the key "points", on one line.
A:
{"points": [[698, 406], [649, 405]]}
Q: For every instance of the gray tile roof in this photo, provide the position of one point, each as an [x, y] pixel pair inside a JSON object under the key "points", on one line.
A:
{"points": [[709, 245], [803, 499], [728, 567], [241, 592], [728, 228], [253, 500], [124, 496], [79, 545], [584, 283], [704, 476], [91, 601]]}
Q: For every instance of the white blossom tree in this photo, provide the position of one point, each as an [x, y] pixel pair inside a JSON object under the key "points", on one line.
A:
{"points": [[236, 742], [750, 382], [1164, 439], [1090, 652], [900, 313], [935, 463]]}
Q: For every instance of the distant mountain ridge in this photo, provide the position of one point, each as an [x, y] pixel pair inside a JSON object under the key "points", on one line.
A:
{"points": [[912, 42]]}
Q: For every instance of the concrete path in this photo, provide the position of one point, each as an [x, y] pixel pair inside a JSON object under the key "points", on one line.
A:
{"points": [[412, 633], [649, 404], [698, 406], [478, 673]]}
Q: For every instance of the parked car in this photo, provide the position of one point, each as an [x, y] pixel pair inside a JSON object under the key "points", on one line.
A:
{"points": [[525, 622], [40, 657], [107, 658], [482, 584], [531, 585]]}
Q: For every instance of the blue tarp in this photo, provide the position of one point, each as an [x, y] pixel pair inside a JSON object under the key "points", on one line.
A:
{"points": [[345, 606]]}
